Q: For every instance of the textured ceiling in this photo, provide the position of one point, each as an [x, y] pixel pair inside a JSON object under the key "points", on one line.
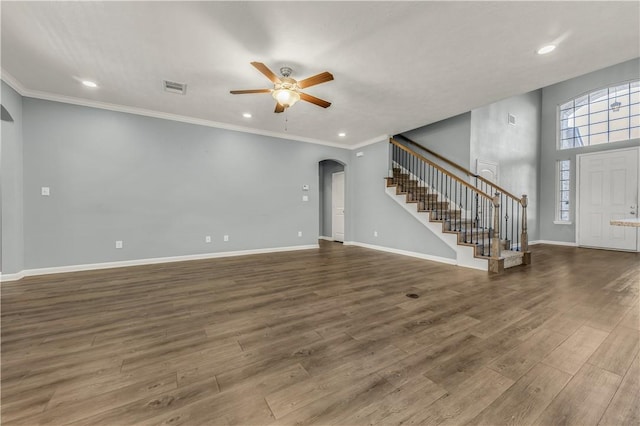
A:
{"points": [[397, 65]]}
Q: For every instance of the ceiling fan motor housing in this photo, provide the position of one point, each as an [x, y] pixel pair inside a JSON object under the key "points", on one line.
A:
{"points": [[286, 71]]}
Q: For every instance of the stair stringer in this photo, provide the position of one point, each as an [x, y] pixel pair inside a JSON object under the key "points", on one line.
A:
{"points": [[465, 254]]}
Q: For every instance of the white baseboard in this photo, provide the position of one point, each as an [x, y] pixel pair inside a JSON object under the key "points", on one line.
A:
{"points": [[12, 277], [553, 243], [439, 259], [322, 237], [151, 261]]}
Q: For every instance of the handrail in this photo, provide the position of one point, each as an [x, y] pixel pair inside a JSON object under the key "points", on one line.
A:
{"points": [[438, 156], [443, 170], [462, 169]]}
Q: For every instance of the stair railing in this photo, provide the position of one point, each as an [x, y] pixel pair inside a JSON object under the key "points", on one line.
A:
{"points": [[513, 209], [463, 208]]}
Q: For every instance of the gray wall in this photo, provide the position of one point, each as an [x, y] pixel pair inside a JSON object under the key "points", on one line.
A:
{"points": [[326, 169], [516, 149], [11, 183], [553, 96], [376, 211], [449, 138], [160, 186]]}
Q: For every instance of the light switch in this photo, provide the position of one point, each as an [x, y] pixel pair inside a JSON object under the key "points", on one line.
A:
{"points": [[45, 191], [305, 187]]}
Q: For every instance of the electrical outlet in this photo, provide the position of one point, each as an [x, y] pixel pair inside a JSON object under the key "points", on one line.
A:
{"points": [[207, 239], [45, 191], [375, 233], [226, 238], [299, 233], [119, 244], [305, 198]]}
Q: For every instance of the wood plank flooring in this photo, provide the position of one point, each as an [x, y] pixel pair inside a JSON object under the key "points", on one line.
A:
{"points": [[326, 336]]}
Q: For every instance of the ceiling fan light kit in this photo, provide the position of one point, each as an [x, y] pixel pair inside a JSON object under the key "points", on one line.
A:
{"points": [[286, 97], [286, 90]]}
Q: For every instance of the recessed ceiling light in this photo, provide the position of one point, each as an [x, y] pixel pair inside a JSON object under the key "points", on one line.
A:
{"points": [[89, 83], [246, 115], [342, 134], [546, 49]]}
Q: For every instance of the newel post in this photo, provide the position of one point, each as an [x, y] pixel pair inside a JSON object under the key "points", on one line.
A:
{"points": [[496, 264], [526, 258]]}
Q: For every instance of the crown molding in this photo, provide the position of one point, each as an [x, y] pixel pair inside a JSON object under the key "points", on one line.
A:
{"points": [[12, 82], [371, 141], [18, 87]]}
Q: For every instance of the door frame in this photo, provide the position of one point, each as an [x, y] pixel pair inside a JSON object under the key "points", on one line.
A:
{"points": [[344, 200], [579, 157]]}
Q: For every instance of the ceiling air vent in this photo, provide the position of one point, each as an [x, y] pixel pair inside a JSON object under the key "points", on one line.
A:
{"points": [[173, 87]]}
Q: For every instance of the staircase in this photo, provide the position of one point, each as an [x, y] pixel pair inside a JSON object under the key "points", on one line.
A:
{"points": [[483, 223]]}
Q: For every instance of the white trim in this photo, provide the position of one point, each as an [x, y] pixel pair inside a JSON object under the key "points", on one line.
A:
{"points": [[11, 277], [322, 237], [432, 258], [554, 243], [371, 141], [13, 82], [23, 91], [150, 261], [562, 222]]}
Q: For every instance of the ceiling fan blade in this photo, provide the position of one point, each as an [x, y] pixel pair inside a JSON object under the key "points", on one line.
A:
{"points": [[267, 72], [323, 77], [242, 92], [279, 108], [314, 100]]}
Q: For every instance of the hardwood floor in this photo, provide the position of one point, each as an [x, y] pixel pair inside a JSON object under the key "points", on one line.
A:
{"points": [[327, 337]]}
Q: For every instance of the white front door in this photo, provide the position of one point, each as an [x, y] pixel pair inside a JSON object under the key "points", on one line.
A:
{"points": [[607, 190], [337, 206]]}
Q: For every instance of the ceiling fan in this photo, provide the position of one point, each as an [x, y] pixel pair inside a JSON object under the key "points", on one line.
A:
{"points": [[286, 90]]}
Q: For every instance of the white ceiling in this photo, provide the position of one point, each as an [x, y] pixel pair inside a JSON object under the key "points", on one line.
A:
{"points": [[397, 65]]}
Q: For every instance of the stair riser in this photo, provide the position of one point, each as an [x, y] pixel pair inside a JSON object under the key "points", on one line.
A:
{"points": [[429, 198], [434, 205]]}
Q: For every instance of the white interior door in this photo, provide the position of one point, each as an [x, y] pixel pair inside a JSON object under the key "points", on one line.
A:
{"points": [[607, 190], [337, 206]]}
